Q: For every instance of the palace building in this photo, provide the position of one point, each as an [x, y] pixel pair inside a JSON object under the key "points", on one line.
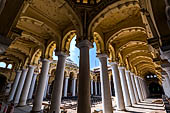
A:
{"points": [[132, 39]]}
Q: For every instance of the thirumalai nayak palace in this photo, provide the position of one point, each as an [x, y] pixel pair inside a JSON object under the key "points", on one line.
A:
{"points": [[132, 40]]}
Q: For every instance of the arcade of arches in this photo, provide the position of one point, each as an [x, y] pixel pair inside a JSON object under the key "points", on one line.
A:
{"points": [[132, 44]]}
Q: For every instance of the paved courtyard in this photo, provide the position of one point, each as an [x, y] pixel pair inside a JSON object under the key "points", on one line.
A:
{"points": [[147, 106]]}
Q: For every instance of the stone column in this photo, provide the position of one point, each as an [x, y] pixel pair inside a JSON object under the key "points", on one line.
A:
{"points": [[45, 92], [14, 86], [95, 82], [110, 87], [66, 86], [105, 86], [166, 85], [142, 88], [91, 87], [138, 88], [84, 105], [58, 83], [26, 87], [165, 88], [147, 89], [134, 87], [117, 86], [99, 88], [74, 87], [167, 79], [124, 86], [20, 85], [41, 86], [130, 87], [32, 86]]}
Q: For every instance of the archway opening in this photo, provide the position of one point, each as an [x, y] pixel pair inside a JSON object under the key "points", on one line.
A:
{"points": [[155, 89]]}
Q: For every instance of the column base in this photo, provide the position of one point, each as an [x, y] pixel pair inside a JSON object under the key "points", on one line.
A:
{"points": [[128, 105], [21, 104], [121, 110]]}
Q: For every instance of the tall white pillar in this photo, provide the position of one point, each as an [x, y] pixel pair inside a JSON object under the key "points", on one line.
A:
{"points": [[134, 87], [14, 86], [166, 85], [141, 87], [20, 85], [84, 105], [110, 82], [147, 89], [124, 86], [130, 87], [138, 88], [117, 86], [99, 88], [58, 83], [41, 86], [32, 86], [45, 92], [26, 86], [105, 86], [91, 87], [95, 82], [73, 87], [66, 86]]}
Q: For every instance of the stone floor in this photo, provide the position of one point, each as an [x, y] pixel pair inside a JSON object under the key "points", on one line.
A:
{"points": [[147, 106]]}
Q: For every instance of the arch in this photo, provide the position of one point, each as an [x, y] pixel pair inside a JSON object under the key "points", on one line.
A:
{"points": [[140, 62], [66, 73], [49, 50], [132, 48], [110, 10], [28, 36], [99, 43], [72, 75], [9, 66], [35, 57], [121, 62], [65, 46], [125, 30], [135, 52], [2, 64], [138, 57], [19, 55], [112, 55], [131, 43], [42, 26]]}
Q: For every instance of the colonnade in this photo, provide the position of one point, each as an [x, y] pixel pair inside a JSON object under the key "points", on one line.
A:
{"points": [[129, 88], [95, 87]]}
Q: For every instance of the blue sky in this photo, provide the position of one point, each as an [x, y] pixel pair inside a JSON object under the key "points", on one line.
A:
{"points": [[75, 52]]}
